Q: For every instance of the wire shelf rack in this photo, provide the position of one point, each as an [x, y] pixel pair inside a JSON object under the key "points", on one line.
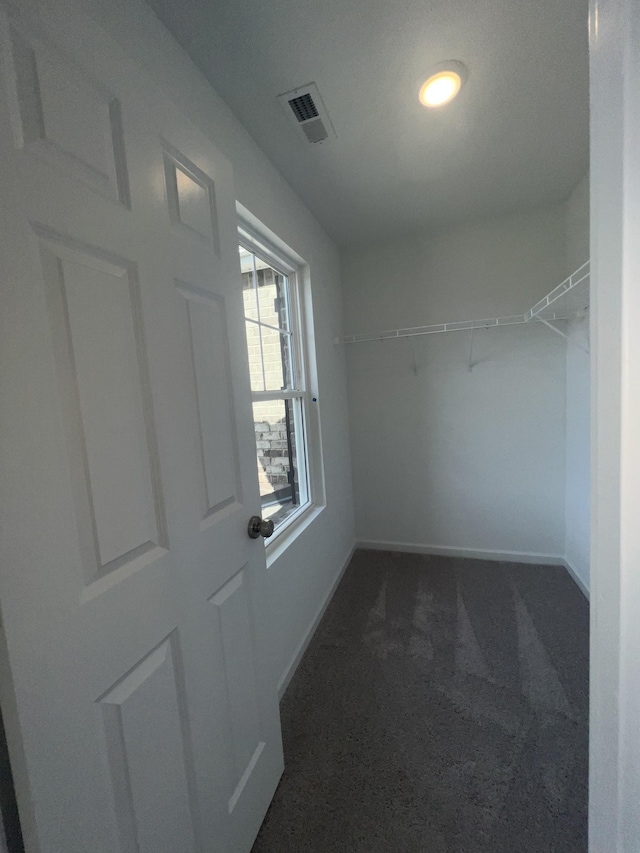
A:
{"points": [[435, 328], [569, 299]]}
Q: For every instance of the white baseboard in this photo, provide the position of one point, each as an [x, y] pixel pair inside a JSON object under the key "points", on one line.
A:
{"points": [[473, 553], [287, 675], [576, 577]]}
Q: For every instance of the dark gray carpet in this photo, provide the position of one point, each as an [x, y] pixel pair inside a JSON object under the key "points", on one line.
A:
{"points": [[441, 708]]}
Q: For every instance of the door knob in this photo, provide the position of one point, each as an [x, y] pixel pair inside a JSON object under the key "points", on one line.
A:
{"points": [[260, 527]]}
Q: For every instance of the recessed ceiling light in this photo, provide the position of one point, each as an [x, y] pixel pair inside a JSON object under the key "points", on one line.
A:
{"points": [[442, 85]]}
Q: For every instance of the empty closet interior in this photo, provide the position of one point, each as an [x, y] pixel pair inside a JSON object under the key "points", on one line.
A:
{"points": [[468, 370]]}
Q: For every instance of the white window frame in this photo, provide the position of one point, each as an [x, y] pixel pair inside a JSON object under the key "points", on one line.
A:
{"points": [[310, 452]]}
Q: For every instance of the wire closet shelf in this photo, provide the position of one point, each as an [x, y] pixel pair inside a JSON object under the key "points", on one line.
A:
{"points": [[568, 300]]}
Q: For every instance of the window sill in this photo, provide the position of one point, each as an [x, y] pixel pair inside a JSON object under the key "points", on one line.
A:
{"points": [[290, 532]]}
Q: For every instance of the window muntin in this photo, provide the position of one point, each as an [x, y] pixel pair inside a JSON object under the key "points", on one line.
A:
{"points": [[277, 383]]}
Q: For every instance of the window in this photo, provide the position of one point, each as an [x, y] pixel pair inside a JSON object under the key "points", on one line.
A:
{"points": [[276, 364]]}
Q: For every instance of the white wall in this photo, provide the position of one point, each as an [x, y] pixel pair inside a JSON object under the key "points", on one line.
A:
{"points": [[444, 457], [302, 577], [577, 225], [578, 396]]}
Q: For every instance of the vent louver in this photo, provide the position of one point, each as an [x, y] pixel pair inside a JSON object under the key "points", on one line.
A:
{"points": [[308, 113], [303, 107]]}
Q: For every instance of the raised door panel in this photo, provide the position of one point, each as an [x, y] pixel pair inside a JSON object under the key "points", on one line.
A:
{"points": [[234, 627], [191, 198], [95, 314], [213, 398], [61, 114], [147, 748]]}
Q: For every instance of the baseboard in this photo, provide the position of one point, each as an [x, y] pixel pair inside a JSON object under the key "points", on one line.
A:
{"points": [[287, 675], [576, 578], [473, 553]]}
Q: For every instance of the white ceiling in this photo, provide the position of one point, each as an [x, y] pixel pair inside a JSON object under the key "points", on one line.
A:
{"points": [[515, 138]]}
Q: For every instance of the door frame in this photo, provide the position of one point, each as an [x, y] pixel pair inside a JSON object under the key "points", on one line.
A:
{"points": [[614, 789]]}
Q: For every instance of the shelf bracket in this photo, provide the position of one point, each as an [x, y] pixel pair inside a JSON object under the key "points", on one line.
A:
{"points": [[414, 368], [470, 365], [563, 335]]}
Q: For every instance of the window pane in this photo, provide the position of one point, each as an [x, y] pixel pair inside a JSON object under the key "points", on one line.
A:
{"points": [[265, 294], [254, 350], [249, 287], [246, 259], [286, 352], [277, 450], [273, 296], [277, 362]]}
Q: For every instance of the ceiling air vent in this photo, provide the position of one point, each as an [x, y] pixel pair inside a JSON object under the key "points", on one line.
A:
{"points": [[305, 108]]}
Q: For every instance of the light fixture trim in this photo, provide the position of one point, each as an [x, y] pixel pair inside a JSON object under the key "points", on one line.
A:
{"points": [[442, 84]]}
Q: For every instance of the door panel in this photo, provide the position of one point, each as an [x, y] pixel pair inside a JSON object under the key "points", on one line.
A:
{"points": [[144, 709], [191, 198], [62, 115], [213, 398], [234, 623], [96, 325], [141, 712]]}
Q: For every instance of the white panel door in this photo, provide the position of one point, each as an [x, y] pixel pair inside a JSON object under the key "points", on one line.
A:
{"points": [[140, 709]]}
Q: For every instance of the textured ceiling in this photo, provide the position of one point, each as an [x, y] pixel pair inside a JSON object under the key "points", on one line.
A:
{"points": [[515, 138]]}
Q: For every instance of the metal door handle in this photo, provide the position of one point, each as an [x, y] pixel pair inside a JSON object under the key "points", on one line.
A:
{"points": [[260, 527]]}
